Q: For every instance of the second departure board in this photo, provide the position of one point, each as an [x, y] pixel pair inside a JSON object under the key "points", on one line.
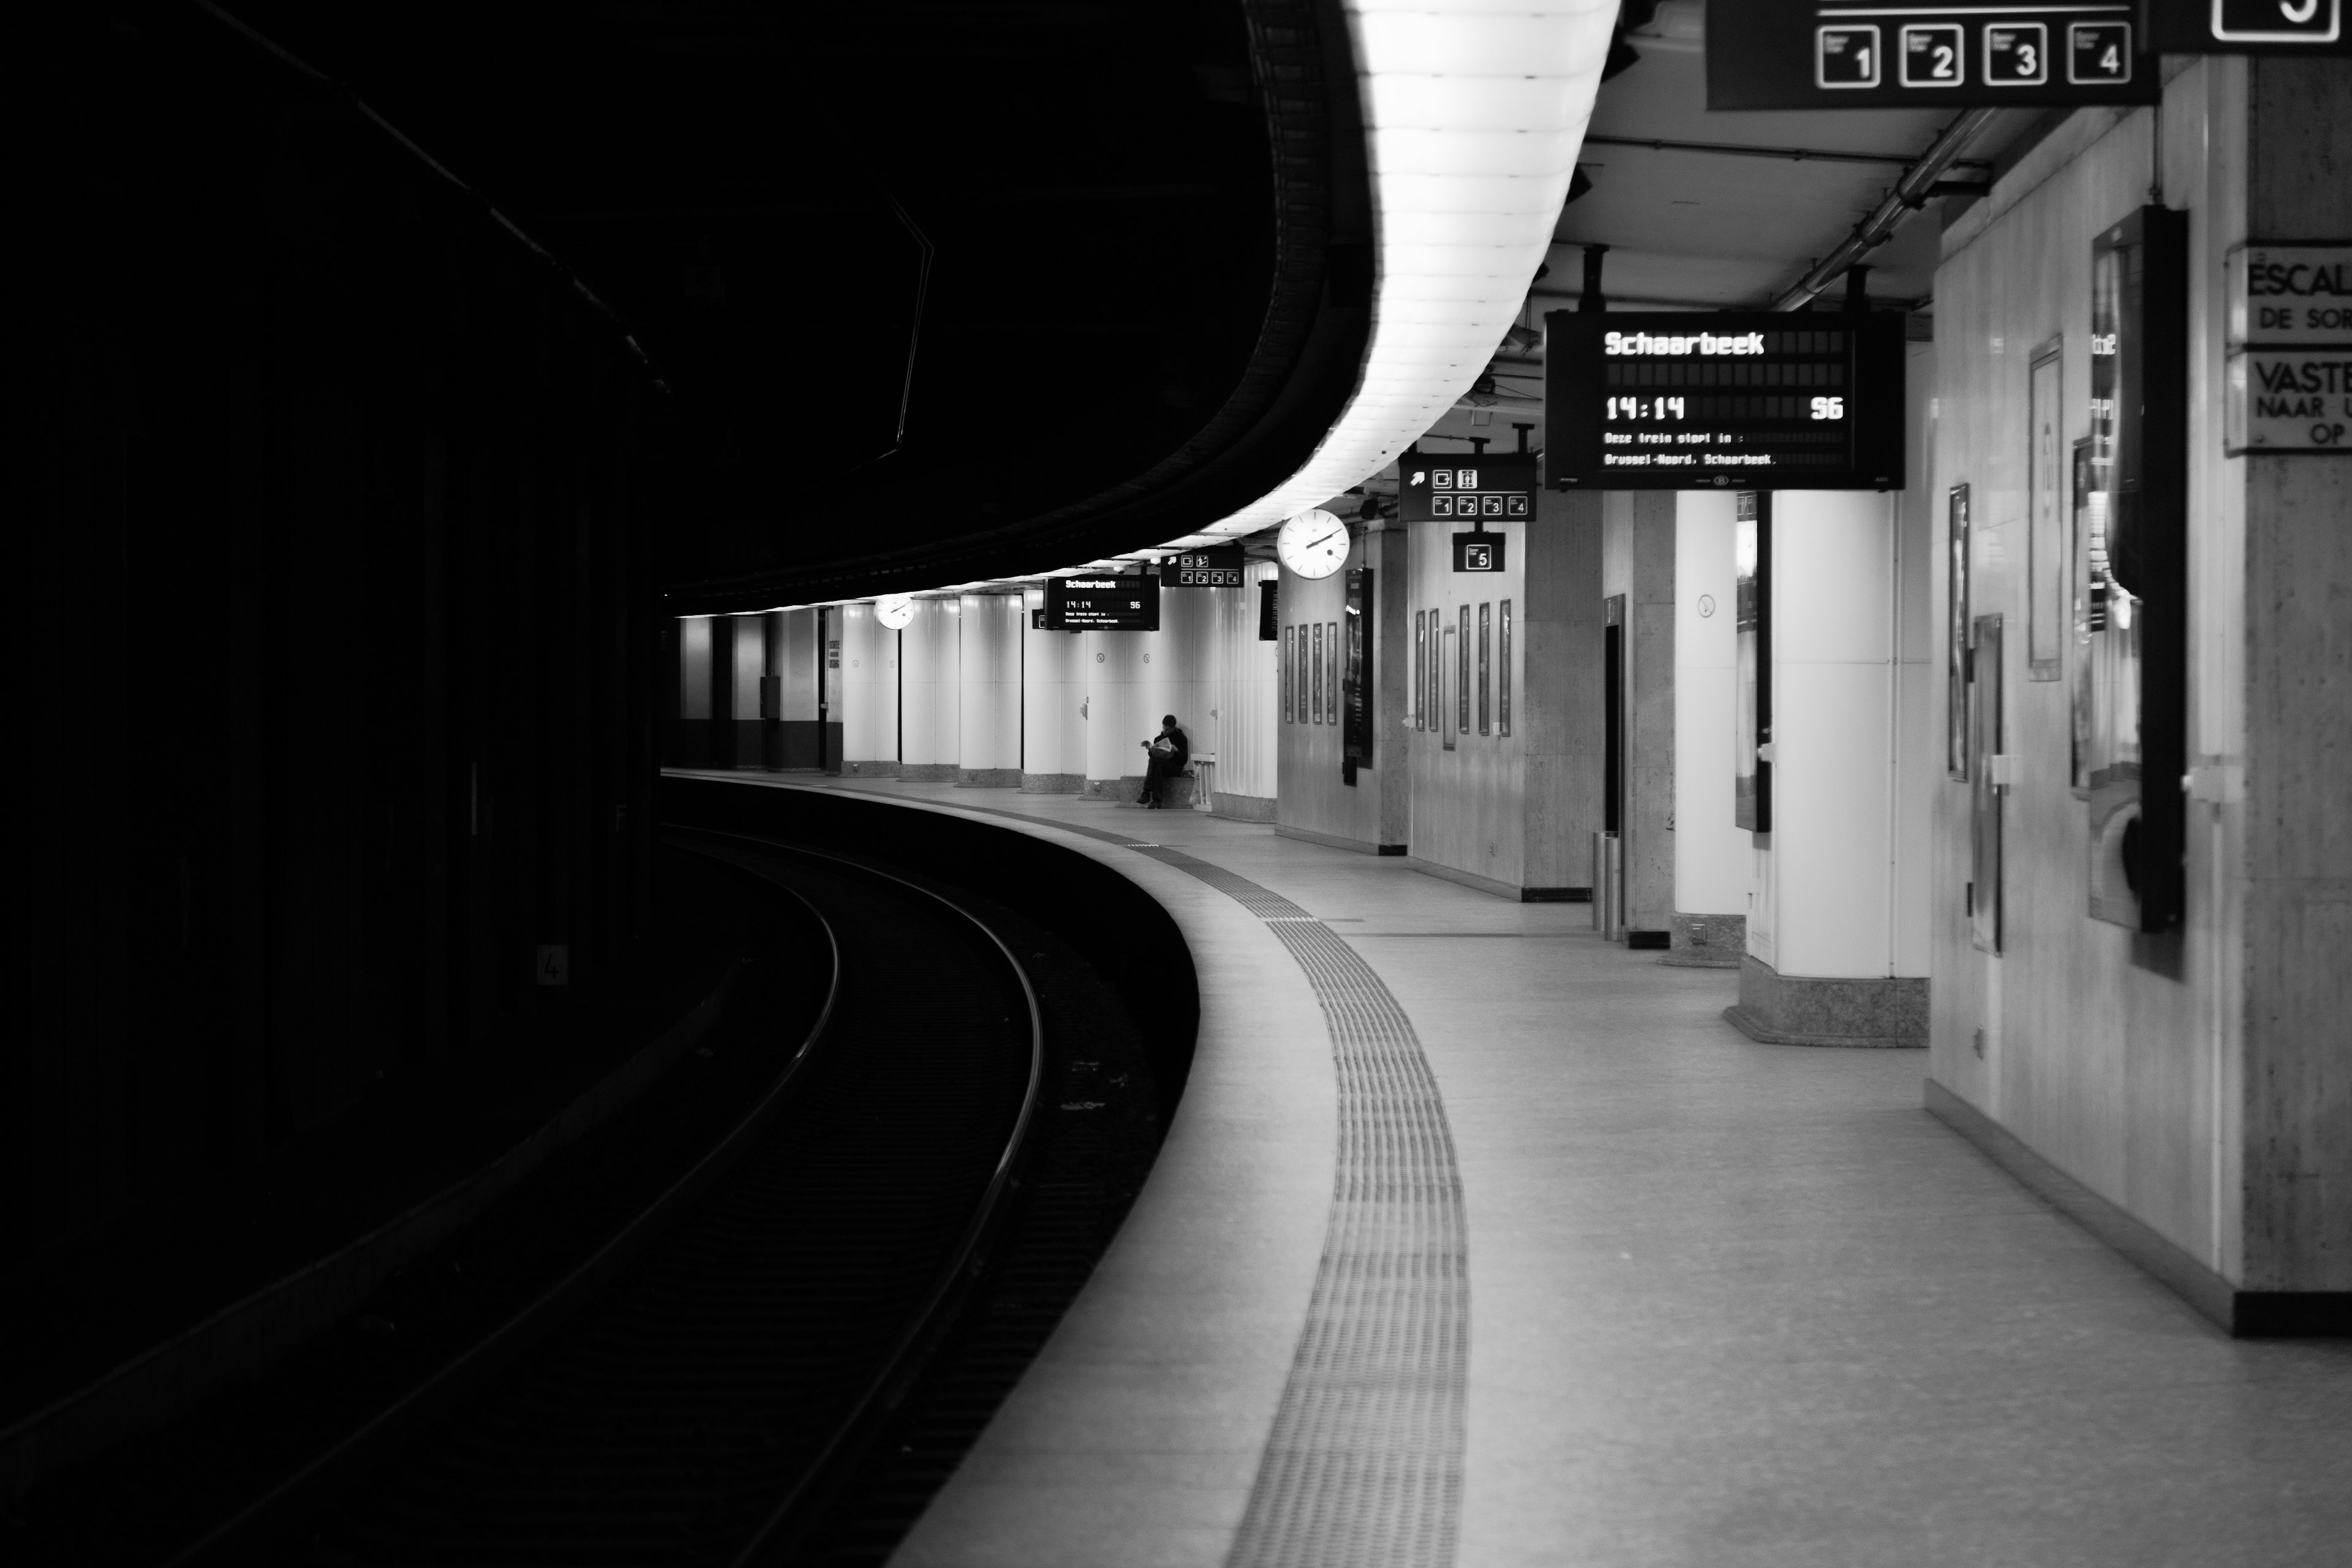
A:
{"points": [[1757, 399]]}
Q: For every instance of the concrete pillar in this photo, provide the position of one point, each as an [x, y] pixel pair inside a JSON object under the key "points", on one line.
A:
{"points": [[1188, 646], [1248, 701], [930, 691], [1709, 924], [1637, 573], [989, 691], [1561, 640], [869, 695], [1125, 698], [691, 746], [748, 661], [1822, 964], [1053, 705], [1316, 802], [1511, 812]]}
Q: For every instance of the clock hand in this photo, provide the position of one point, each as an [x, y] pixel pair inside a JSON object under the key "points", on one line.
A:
{"points": [[1333, 534]]}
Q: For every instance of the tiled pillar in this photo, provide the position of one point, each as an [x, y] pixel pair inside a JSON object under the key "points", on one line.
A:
{"points": [[1125, 698], [1711, 849], [989, 682], [930, 691], [868, 703], [1823, 965], [1053, 705]]}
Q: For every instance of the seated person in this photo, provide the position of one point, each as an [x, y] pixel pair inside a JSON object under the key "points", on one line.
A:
{"points": [[1170, 751]]}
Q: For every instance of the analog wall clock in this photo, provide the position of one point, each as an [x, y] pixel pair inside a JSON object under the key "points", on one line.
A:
{"points": [[1313, 544], [894, 610]]}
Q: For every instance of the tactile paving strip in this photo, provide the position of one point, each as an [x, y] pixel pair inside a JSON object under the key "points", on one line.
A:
{"points": [[1364, 1467]]}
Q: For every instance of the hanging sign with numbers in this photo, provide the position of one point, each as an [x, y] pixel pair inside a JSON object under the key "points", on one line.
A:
{"points": [[1867, 54], [1452, 487], [2254, 27]]}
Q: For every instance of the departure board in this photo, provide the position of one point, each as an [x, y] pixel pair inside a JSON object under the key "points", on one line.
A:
{"points": [[1757, 399], [1104, 604]]}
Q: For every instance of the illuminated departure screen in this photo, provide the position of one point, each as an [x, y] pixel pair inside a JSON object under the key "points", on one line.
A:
{"points": [[1108, 604], [1760, 400]]}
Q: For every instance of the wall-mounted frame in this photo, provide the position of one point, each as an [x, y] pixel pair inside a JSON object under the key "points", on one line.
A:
{"points": [[1450, 659], [1988, 781], [2088, 529], [1356, 672], [1486, 667], [1436, 693], [2047, 622], [1503, 670], [1289, 673], [1419, 670], [1316, 702], [1751, 547], [1462, 677], [2139, 464], [1331, 671], [1956, 621]]}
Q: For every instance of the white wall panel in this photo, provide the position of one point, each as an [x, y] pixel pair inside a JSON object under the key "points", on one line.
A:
{"points": [[930, 690], [989, 676], [1711, 849], [868, 710]]}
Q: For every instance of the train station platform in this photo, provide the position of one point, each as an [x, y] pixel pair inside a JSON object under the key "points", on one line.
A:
{"points": [[1476, 1238]]}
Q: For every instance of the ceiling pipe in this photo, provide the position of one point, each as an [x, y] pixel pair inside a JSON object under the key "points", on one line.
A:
{"points": [[1910, 194]]}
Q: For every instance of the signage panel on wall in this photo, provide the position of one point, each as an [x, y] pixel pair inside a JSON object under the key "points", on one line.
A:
{"points": [[1870, 54], [1102, 604], [1219, 568], [1453, 487], [2290, 327], [1797, 400], [2252, 27], [1478, 553]]}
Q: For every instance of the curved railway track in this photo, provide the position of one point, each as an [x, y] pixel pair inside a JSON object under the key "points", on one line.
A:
{"points": [[696, 1389]]}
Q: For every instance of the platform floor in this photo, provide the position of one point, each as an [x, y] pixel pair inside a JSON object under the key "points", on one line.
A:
{"points": [[1712, 1302]]}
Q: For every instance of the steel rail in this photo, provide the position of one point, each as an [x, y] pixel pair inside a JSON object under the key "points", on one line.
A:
{"points": [[454, 1379]]}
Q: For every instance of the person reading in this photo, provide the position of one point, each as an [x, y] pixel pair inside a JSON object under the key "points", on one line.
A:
{"points": [[1170, 751]]}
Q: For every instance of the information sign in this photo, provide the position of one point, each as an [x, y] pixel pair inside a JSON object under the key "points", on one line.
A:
{"points": [[1219, 568], [2290, 296], [1102, 604], [2289, 337], [1869, 54], [2252, 27], [1450, 488], [1754, 398], [1478, 552]]}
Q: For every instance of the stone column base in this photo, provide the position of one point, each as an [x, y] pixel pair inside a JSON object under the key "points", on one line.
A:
{"points": [[1798, 1010], [878, 769], [1124, 789], [1244, 808], [928, 773], [1051, 784], [1705, 941], [987, 778]]}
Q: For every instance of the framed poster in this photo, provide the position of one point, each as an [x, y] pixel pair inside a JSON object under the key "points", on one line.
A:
{"points": [[1288, 667], [1420, 668], [1486, 662], [2047, 621], [1462, 677], [1988, 785], [1436, 693], [1503, 672], [1332, 652], [1356, 669], [1319, 673], [1956, 621], [2089, 514], [1451, 658]]}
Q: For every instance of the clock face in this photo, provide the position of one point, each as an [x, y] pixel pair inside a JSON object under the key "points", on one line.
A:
{"points": [[894, 610], [1313, 544]]}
